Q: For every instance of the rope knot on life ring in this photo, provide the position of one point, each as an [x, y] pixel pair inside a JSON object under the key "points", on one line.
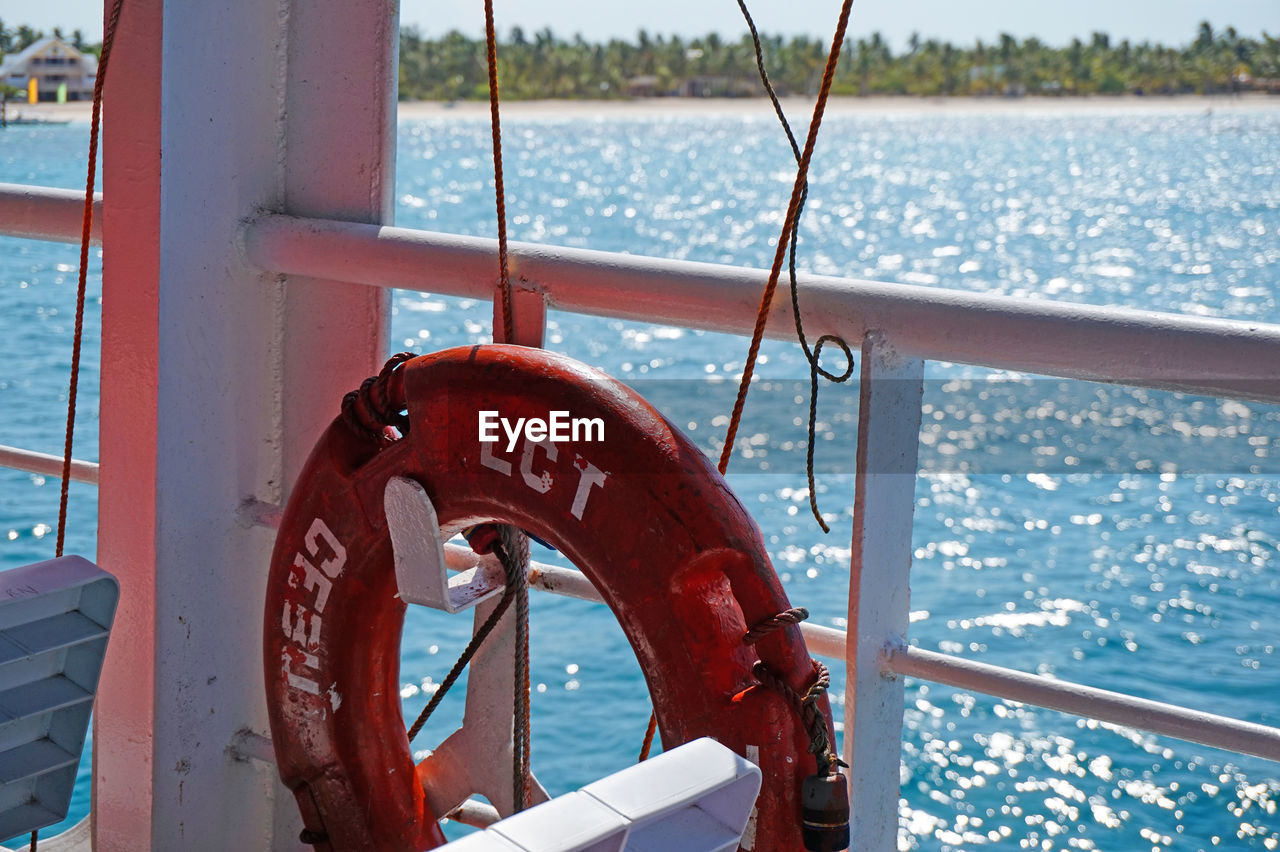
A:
{"points": [[369, 410], [643, 513]]}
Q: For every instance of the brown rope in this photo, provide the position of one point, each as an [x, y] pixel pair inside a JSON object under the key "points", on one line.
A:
{"points": [[86, 229], [514, 545], [806, 704], [788, 225], [370, 409], [798, 193], [812, 356], [795, 615], [520, 766], [648, 737], [504, 279]]}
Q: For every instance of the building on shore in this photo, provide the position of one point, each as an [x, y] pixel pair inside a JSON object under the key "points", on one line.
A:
{"points": [[53, 64]]}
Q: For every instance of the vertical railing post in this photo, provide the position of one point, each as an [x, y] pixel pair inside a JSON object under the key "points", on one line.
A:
{"points": [[879, 593], [124, 750], [217, 377], [528, 315]]}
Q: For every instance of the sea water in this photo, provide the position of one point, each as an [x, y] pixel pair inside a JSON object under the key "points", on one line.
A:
{"points": [[1125, 539]]}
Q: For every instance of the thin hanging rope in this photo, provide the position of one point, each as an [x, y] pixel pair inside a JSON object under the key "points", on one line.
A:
{"points": [[799, 192], [500, 201], [812, 356], [788, 225], [514, 547], [510, 535], [648, 737], [86, 228], [108, 37]]}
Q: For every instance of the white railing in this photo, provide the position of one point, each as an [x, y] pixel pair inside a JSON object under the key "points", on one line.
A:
{"points": [[44, 213], [47, 465], [899, 326], [1105, 344]]}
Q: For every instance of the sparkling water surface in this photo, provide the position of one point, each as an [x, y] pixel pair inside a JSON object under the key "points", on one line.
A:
{"points": [[1126, 539]]}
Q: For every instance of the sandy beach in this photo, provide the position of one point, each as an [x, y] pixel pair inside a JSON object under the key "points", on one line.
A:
{"points": [[657, 107]]}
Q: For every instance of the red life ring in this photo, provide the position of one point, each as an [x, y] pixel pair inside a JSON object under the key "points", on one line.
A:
{"points": [[642, 513]]}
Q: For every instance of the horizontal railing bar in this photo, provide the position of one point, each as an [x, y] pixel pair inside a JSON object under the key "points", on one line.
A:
{"points": [[1116, 708], [1108, 344], [45, 213], [1090, 702], [47, 465], [827, 641]]}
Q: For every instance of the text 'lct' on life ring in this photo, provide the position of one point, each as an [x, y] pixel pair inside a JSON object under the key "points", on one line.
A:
{"points": [[642, 513]]}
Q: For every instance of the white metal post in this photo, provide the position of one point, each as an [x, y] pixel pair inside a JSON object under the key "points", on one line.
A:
{"points": [[218, 438], [879, 591], [528, 316], [217, 377], [339, 163]]}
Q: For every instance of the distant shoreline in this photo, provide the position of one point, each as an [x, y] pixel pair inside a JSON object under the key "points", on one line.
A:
{"points": [[796, 108]]}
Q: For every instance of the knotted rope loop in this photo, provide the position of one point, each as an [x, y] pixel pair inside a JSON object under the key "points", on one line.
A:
{"points": [[795, 615], [806, 704], [369, 410]]}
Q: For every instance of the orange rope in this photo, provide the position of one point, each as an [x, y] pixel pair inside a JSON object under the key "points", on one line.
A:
{"points": [[113, 19], [491, 56], [797, 191], [648, 737], [762, 316]]}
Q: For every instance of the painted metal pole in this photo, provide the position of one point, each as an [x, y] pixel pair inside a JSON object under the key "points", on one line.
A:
{"points": [[879, 585], [339, 152], [124, 711], [528, 315], [45, 213], [47, 465], [1130, 711], [217, 377], [1093, 342]]}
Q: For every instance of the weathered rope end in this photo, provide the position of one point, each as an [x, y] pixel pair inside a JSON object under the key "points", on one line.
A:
{"points": [[820, 739]]}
